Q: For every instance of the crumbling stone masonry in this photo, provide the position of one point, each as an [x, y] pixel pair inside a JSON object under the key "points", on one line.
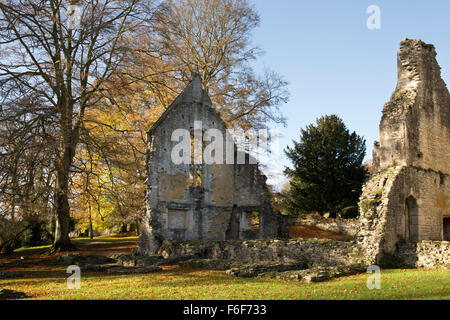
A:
{"points": [[202, 201], [309, 253], [407, 200]]}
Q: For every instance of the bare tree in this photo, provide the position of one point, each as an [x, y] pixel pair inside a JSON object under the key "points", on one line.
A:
{"points": [[207, 37], [213, 38], [63, 52], [26, 170]]}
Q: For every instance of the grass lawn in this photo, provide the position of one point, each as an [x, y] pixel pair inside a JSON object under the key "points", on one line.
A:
{"points": [[182, 283], [48, 281]]}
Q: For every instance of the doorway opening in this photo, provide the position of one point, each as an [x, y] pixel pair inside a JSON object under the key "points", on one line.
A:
{"points": [[412, 215], [446, 225]]}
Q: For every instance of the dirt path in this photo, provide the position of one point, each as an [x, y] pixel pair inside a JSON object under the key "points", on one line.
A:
{"points": [[107, 248]]}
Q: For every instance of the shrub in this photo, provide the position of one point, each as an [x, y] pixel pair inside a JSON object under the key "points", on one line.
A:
{"points": [[349, 212], [37, 235]]}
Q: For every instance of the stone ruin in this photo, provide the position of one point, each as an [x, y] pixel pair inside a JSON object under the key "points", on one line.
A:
{"points": [[406, 202], [198, 201], [404, 207]]}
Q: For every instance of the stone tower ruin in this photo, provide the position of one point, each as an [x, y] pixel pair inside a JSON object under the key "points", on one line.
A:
{"points": [[199, 201], [407, 198]]}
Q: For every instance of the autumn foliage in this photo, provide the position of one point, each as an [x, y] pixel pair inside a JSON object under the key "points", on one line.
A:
{"points": [[76, 103]]}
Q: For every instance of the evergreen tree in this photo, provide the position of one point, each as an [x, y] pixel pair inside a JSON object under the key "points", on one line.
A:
{"points": [[328, 170]]}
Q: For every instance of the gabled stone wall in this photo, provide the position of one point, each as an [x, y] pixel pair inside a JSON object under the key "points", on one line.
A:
{"points": [[222, 205]]}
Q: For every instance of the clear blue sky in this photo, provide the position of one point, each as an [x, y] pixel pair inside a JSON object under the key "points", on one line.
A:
{"points": [[335, 65]]}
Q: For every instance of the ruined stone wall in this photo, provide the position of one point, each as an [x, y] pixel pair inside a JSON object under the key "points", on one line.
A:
{"points": [[425, 254], [220, 207], [314, 252], [383, 209], [415, 127], [408, 196]]}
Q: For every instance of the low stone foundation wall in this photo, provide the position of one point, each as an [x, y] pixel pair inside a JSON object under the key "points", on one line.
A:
{"points": [[338, 225], [309, 252], [424, 254]]}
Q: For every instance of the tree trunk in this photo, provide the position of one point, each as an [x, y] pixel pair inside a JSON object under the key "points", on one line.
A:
{"points": [[91, 229], [62, 240]]}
